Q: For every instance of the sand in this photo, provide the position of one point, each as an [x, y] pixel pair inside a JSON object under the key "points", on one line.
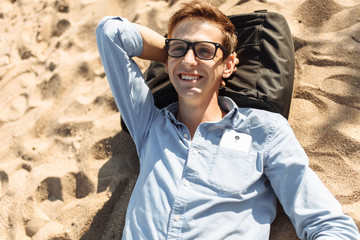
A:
{"points": [[66, 167]]}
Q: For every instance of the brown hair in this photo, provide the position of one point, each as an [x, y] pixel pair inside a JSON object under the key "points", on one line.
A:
{"points": [[202, 10]]}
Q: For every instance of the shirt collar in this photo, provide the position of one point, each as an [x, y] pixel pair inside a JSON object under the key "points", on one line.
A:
{"points": [[225, 103]]}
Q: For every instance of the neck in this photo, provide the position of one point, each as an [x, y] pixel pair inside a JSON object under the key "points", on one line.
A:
{"points": [[192, 114]]}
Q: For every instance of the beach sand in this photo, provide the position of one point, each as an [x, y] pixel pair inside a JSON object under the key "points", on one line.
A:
{"points": [[66, 167]]}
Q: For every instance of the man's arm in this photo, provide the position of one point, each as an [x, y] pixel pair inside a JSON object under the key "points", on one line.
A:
{"points": [[118, 42], [154, 44], [313, 210]]}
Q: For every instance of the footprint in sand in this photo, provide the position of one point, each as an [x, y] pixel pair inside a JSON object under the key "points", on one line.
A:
{"points": [[72, 185], [50, 201], [14, 102], [51, 87], [4, 180]]}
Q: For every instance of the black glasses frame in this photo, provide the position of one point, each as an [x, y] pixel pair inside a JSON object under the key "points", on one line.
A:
{"points": [[193, 44]]}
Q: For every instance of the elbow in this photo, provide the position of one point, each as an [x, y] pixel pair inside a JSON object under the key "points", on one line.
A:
{"points": [[105, 29]]}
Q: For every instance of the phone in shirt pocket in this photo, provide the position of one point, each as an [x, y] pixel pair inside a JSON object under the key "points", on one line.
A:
{"points": [[232, 169], [236, 140]]}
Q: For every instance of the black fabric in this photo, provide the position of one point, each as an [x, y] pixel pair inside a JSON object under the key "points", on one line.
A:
{"points": [[265, 74]]}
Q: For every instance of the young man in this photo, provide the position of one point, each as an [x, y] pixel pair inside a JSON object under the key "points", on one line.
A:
{"points": [[208, 169]]}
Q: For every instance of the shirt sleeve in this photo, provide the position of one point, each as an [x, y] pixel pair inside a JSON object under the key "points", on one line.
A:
{"points": [[118, 41], [313, 210]]}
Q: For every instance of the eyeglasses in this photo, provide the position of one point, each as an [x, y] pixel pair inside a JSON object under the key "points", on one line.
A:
{"points": [[203, 50]]}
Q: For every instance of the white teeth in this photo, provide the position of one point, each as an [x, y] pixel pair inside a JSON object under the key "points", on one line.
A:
{"points": [[188, 77]]}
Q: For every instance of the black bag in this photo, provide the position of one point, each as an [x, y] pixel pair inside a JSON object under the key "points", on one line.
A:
{"points": [[265, 74]]}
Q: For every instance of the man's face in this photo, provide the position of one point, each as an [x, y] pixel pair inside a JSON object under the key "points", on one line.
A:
{"points": [[193, 78]]}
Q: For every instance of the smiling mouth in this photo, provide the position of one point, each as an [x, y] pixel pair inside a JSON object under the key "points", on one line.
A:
{"points": [[189, 77]]}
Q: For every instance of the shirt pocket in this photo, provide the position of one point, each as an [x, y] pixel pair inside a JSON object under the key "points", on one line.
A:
{"points": [[233, 171]]}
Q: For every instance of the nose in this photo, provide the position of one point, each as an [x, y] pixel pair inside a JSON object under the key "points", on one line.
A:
{"points": [[189, 58]]}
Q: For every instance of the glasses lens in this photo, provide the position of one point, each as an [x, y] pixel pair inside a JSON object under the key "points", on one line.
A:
{"points": [[205, 50], [176, 48]]}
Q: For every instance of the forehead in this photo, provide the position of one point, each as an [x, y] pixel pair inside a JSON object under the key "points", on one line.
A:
{"points": [[197, 30]]}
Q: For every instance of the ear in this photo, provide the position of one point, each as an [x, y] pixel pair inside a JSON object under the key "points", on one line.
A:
{"points": [[229, 66]]}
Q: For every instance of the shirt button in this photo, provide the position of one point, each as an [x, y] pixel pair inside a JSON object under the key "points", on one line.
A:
{"points": [[176, 218], [187, 183], [195, 152], [186, 135]]}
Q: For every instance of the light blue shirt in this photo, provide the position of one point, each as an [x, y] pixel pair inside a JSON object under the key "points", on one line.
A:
{"points": [[223, 184]]}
